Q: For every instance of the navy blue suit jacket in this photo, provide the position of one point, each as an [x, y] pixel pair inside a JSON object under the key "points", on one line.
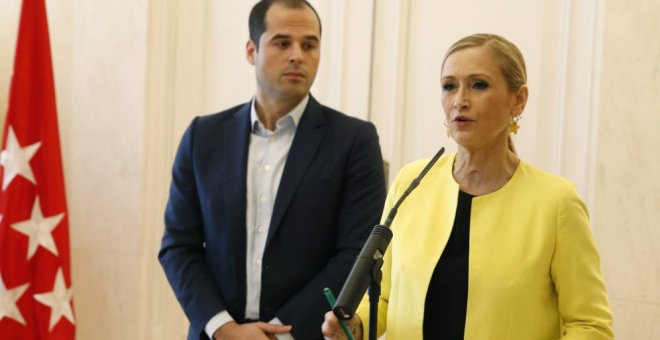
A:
{"points": [[330, 196]]}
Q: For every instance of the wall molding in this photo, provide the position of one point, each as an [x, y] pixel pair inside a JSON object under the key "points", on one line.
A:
{"points": [[389, 78], [597, 62], [174, 91], [579, 93]]}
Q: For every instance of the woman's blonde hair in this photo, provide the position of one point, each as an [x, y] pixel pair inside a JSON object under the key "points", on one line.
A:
{"points": [[511, 61]]}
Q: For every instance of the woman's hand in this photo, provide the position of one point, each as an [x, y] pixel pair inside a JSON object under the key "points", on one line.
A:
{"points": [[332, 329]]}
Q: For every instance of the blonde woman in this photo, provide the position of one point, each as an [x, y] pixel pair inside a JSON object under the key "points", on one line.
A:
{"points": [[488, 247]]}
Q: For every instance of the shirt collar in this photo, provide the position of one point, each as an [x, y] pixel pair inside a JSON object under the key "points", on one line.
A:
{"points": [[295, 114]]}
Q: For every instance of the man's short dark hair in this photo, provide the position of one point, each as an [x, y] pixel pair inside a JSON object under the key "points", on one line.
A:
{"points": [[257, 21]]}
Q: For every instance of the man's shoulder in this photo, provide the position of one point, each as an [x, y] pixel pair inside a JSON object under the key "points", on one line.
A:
{"points": [[225, 116], [341, 119], [215, 125]]}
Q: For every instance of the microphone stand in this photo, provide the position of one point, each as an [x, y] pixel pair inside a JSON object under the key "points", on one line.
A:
{"points": [[374, 287], [374, 297], [371, 259]]}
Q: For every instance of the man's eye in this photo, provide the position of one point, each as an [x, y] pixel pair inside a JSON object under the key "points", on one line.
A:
{"points": [[282, 44]]}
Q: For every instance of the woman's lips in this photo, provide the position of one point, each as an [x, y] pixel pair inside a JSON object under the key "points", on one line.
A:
{"points": [[462, 121]]}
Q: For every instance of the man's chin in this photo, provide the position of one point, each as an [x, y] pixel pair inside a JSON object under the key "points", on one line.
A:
{"points": [[295, 93]]}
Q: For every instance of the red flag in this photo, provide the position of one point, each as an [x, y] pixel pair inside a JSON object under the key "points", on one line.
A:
{"points": [[35, 273]]}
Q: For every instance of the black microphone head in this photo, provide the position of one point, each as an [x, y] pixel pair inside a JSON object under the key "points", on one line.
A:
{"points": [[385, 233]]}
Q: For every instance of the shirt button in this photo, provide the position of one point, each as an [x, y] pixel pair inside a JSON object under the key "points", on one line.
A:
{"points": [[258, 261], [267, 167], [261, 229], [262, 198]]}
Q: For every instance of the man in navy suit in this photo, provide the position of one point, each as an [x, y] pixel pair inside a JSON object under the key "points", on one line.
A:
{"points": [[272, 200]]}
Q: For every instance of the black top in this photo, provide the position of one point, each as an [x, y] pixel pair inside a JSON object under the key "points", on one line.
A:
{"points": [[446, 298]]}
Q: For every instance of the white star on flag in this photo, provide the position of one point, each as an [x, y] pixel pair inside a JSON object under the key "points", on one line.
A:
{"points": [[38, 229], [8, 300], [59, 300], [16, 160]]}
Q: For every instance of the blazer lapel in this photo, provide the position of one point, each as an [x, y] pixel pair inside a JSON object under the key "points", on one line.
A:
{"points": [[305, 144], [234, 170]]}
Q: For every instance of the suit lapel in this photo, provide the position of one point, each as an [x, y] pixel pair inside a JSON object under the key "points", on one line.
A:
{"points": [[305, 144], [234, 170]]}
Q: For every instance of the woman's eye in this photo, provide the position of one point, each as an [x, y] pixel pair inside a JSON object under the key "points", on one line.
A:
{"points": [[480, 85], [448, 87]]}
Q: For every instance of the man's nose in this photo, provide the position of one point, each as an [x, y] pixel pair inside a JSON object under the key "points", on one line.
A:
{"points": [[296, 54]]}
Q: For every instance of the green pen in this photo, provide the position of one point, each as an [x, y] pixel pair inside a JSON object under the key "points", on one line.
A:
{"points": [[331, 300]]}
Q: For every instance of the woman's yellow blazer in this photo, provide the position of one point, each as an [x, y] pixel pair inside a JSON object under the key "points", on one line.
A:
{"points": [[534, 271]]}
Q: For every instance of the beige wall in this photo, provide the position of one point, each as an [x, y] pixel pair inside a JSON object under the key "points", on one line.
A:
{"points": [[104, 168], [627, 191], [130, 74]]}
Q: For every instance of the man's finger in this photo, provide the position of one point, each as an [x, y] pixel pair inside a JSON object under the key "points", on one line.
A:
{"points": [[273, 328]]}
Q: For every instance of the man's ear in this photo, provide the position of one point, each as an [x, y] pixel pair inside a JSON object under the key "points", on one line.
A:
{"points": [[251, 51]]}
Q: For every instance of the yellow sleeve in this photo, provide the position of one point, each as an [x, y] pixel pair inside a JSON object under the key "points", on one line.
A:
{"points": [[583, 304]]}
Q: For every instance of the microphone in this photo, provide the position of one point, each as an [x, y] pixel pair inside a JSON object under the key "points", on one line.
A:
{"points": [[363, 270]]}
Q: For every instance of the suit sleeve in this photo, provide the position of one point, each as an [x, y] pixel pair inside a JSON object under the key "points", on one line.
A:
{"points": [[182, 252], [583, 304], [361, 204]]}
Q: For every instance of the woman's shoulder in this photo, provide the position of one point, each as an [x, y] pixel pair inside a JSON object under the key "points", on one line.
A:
{"points": [[439, 174], [413, 169], [544, 181]]}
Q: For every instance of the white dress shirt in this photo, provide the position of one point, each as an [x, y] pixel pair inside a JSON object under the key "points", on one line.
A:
{"points": [[267, 156]]}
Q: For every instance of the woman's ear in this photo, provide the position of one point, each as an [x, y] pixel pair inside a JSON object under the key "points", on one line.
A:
{"points": [[520, 100]]}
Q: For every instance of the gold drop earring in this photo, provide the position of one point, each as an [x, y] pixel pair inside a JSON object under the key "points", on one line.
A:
{"points": [[513, 127]]}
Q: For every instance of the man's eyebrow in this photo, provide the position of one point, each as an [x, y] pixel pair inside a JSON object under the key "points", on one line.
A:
{"points": [[280, 36], [286, 36]]}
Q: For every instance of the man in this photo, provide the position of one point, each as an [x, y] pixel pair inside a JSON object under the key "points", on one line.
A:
{"points": [[272, 200]]}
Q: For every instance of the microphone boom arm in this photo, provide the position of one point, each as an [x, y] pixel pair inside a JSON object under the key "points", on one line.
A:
{"points": [[366, 270]]}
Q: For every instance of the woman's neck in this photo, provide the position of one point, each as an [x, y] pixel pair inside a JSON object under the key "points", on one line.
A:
{"points": [[480, 172]]}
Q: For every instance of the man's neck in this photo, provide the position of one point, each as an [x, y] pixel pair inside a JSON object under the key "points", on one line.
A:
{"points": [[270, 110]]}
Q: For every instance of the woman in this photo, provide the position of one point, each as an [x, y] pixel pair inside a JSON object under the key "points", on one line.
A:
{"points": [[488, 246]]}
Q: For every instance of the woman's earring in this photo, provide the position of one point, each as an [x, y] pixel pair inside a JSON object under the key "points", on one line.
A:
{"points": [[447, 128], [513, 127]]}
